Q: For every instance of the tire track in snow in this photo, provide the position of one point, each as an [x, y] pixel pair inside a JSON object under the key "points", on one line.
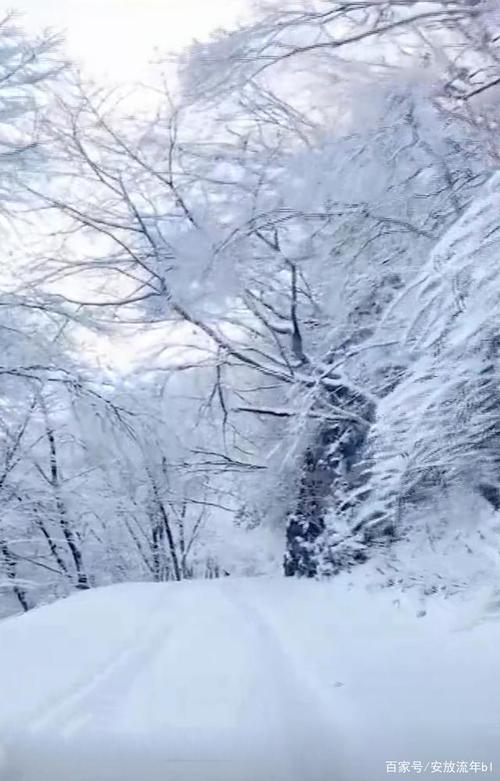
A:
{"points": [[82, 704], [305, 736]]}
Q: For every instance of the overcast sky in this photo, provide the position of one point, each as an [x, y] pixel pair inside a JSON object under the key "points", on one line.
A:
{"points": [[118, 37]]}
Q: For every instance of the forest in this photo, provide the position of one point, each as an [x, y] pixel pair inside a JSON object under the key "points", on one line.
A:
{"points": [[249, 310]]}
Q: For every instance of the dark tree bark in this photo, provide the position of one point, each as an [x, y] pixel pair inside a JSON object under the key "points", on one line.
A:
{"points": [[71, 539], [11, 572]]}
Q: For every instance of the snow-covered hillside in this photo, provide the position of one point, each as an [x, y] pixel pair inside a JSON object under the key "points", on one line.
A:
{"points": [[249, 680]]}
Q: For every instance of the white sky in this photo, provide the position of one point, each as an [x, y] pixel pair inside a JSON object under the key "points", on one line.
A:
{"points": [[118, 37]]}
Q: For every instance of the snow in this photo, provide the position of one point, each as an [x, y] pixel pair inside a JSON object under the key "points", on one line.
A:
{"points": [[247, 679]]}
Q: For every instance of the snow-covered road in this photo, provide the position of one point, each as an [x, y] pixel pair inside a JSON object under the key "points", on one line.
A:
{"points": [[240, 680]]}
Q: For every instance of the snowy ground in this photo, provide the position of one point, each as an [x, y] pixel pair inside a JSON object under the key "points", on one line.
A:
{"points": [[248, 680]]}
